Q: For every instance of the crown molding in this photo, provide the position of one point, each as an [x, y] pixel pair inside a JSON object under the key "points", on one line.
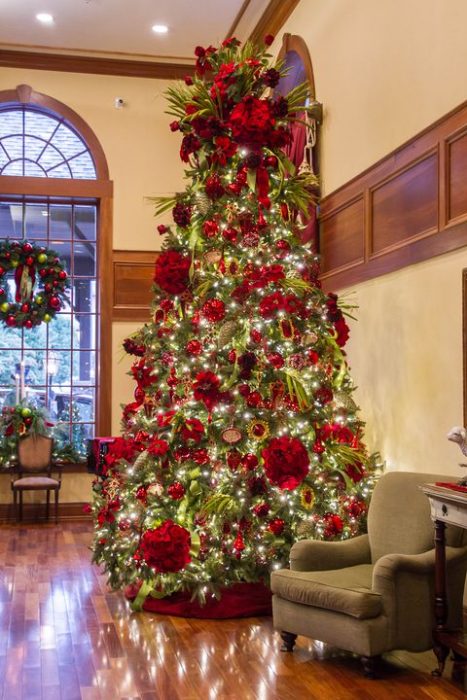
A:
{"points": [[38, 60], [273, 18]]}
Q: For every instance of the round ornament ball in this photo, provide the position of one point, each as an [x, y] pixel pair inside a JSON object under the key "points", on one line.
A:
{"points": [[25, 412], [42, 258]]}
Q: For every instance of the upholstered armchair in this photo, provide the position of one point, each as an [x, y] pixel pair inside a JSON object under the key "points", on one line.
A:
{"points": [[35, 472], [375, 592]]}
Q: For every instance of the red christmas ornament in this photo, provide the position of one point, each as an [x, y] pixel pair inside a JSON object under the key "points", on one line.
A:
{"points": [[42, 272], [27, 247], [28, 323], [176, 491], [25, 307], [10, 321], [276, 526], [54, 303], [62, 275], [29, 261], [213, 310]]}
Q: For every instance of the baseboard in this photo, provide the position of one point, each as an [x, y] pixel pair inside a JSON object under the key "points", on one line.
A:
{"points": [[35, 512]]}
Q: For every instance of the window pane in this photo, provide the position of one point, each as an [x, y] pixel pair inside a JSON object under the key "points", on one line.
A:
{"points": [[11, 122], [83, 402], [84, 363], [83, 167], [32, 169], [9, 365], [50, 157], [14, 167], [60, 332], [85, 259], [85, 223], [84, 298], [59, 367], [67, 142], [10, 338], [35, 362], [41, 125], [13, 145], [33, 147], [84, 331], [60, 218], [6, 223], [61, 170], [35, 222], [58, 400], [36, 337]]}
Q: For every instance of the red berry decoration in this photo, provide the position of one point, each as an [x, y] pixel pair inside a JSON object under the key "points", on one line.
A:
{"points": [[45, 288]]}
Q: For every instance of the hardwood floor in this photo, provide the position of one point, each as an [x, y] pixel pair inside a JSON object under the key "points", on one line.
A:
{"points": [[65, 637]]}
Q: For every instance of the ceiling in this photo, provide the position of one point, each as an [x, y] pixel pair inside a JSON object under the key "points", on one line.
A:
{"points": [[123, 27]]}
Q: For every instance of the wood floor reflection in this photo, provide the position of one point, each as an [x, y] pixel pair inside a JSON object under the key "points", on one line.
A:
{"points": [[66, 637]]}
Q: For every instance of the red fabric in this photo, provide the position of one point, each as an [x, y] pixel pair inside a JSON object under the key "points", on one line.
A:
{"points": [[295, 152], [239, 600], [451, 485]]}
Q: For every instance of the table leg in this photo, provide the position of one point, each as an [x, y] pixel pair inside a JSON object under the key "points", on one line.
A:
{"points": [[441, 605]]}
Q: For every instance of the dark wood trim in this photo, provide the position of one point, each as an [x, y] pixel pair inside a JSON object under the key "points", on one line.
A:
{"points": [[410, 220], [56, 187], [104, 393], [273, 19], [35, 512], [464, 339], [97, 65], [133, 271]]}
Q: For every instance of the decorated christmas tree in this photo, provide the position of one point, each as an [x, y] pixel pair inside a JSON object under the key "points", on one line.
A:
{"points": [[243, 436]]}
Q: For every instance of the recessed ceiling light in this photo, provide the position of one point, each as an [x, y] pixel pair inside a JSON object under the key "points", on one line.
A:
{"points": [[45, 18], [160, 28]]}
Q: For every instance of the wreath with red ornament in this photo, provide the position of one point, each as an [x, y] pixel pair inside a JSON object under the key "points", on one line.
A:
{"points": [[40, 283]]}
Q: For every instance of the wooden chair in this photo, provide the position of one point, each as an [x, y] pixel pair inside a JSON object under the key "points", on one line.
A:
{"points": [[35, 472]]}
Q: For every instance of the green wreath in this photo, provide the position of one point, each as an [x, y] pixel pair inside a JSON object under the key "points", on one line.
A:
{"points": [[40, 284]]}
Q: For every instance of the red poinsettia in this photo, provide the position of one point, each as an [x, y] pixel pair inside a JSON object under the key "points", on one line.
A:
{"points": [[206, 389], [166, 548], [251, 122], [343, 332], [333, 525], [193, 429], [286, 462], [158, 447], [171, 272]]}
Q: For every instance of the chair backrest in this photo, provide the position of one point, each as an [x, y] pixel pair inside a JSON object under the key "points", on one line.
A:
{"points": [[35, 453], [399, 518]]}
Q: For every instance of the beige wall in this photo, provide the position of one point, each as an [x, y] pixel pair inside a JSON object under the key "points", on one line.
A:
{"points": [[143, 160], [384, 71]]}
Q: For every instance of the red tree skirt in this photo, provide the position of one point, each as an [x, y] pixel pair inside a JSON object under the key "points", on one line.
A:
{"points": [[239, 600]]}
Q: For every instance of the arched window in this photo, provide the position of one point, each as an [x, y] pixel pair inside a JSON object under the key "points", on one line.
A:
{"points": [[55, 192]]}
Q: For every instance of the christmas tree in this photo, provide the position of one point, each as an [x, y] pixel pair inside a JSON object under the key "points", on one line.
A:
{"points": [[243, 436]]}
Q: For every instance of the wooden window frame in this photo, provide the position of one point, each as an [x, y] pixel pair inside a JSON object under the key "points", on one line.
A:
{"points": [[100, 190]]}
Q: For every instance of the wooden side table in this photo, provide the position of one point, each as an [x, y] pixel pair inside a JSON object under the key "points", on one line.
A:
{"points": [[447, 507]]}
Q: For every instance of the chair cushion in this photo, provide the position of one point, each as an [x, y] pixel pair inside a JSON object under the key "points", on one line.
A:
{"points": [[36, 482], [346, 590]]}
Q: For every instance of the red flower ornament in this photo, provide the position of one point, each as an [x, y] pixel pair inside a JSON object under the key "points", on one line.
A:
{"points": [[166, 548], [172, 272], [286, 462]]}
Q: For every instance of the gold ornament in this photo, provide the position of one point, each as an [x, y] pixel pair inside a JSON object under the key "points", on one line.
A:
{"points": [[231, 435], [310, 338], [226, 333], [211, 257], [307, 497], [343, 400], [258, 430], [306, 528], [202, 202]]}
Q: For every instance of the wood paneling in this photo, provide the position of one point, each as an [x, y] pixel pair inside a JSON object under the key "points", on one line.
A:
{"points": [[405, 206], [133, 273], [342, 241], [415, 207], [65, 636], [457, 175]]}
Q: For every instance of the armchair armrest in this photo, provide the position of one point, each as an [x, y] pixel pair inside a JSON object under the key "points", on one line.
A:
{"points": [[315, 555], [406, 583], [390, 565]]}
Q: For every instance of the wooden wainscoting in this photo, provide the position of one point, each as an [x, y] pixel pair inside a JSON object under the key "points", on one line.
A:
{"points": [[408, 207], [133, 273]]}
